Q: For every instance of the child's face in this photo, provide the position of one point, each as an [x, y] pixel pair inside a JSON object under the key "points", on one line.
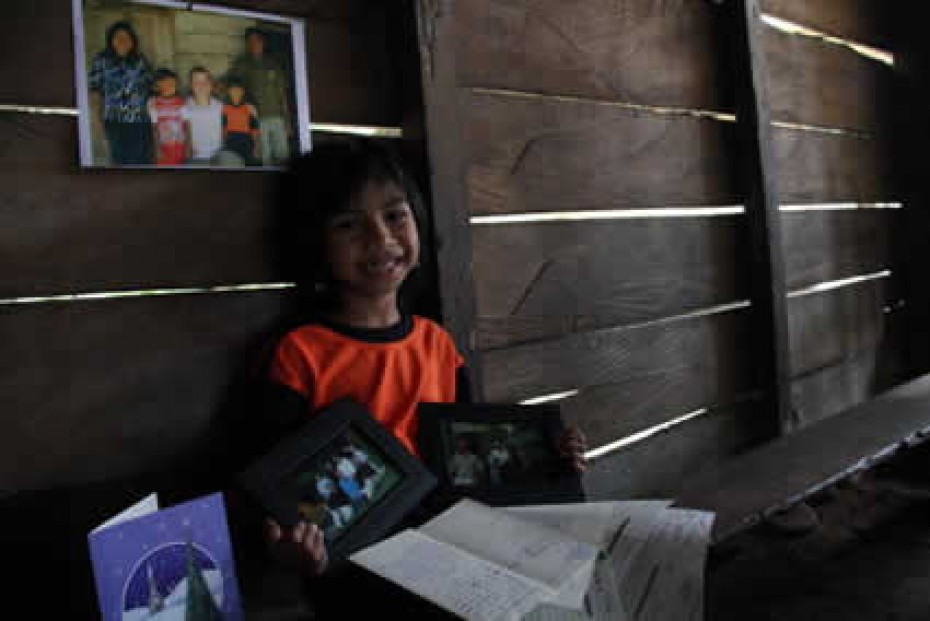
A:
{"points": [[236, 93], [167, 87], [122, 43], [373, 246], [201, 85], [255, 44]]}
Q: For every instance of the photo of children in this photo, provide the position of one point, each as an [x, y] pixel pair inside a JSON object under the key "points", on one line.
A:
{"points": [[494, 455], [229, 91], [339, 485]]}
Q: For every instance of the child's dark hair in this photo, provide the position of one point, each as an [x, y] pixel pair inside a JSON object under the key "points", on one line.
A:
{"points": [[323, 183], [234, 81], [163, 73], [252, 30], [128, 29], [199, 69]]}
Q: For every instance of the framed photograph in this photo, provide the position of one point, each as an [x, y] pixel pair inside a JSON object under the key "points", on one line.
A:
{"points": [[168, 84], [343, 472], [500, 454]]}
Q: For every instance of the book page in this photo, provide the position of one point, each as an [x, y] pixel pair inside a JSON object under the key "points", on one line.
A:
{"points": [[539, 553], [462, 584], [147, 505]]}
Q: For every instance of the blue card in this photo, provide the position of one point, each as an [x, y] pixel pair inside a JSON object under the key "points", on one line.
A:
{"points": [[169, 564]]}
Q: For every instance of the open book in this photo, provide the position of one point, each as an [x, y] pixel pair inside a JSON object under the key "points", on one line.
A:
{"points": [[633, 560]]}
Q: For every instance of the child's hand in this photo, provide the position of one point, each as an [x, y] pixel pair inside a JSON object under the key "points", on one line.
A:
{"points": [[573, 446], [304, 540]]}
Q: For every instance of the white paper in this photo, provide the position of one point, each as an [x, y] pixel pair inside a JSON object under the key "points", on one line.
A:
{"points": [[462, 584], [618, 529], [147, 505], [594, 523], [665, 580], [536, 563], [537, 552]]}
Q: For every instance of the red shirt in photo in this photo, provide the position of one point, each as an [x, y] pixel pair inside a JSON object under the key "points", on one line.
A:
{"points": [[168, 114]]}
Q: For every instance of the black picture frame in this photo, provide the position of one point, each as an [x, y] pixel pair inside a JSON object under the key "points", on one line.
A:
{"points": [[279, 480], [542, 476]]}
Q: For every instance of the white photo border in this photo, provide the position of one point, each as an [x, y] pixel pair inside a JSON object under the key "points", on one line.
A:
{"points": [[301, 92]]}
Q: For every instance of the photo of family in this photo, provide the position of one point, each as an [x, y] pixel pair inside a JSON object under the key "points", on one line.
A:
{"points": [[497, 455], [341, 483], [168, 84]]}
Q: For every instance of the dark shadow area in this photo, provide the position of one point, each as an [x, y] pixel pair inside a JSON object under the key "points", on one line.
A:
{"points": [[867, 560]]}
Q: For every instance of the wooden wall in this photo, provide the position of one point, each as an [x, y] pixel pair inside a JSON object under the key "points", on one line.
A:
{"points": [[616, 120], [613, 119], [103, 389], [832, 108], [594, 106]]}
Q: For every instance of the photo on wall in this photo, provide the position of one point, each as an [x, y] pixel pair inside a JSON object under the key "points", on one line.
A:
{"points": [[167, 84]]}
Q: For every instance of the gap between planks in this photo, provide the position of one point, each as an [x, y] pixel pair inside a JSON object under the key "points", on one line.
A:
{"points": [[98, 296], [793, 28], [372, 131]]}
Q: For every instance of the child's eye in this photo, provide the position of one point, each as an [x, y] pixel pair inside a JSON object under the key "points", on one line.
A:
{"points": [[344, 224], [396, 216]]}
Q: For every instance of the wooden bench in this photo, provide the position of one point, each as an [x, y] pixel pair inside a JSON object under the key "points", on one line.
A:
{"points": [[777, 475]]}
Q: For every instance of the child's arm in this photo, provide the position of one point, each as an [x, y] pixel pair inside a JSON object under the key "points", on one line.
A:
{"points": [[153, 117], [287, 106], [286, 401], [188, 145], [188, 134], [463, 392], [256, 131]]}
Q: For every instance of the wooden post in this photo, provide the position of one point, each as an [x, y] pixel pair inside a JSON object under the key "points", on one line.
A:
{"points": [[441, 97], [759, 181], [909, 137]]}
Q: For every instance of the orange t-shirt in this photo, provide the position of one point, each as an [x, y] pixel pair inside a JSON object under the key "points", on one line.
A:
{"points": [[239, 119], [390, 378]]}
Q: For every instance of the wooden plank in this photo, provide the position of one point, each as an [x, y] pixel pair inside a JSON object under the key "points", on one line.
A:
{"points": [[760, 188], [864, 21], [101, 390], [792, 467], [815, 167], [827, 392], [712, 348], [444, 131], [816, 83], [67, 230], [658, 467], [349, 58], [556, 275], [543, 154], [820, 246], [629, 405], [593, 48], [825, 328]]}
